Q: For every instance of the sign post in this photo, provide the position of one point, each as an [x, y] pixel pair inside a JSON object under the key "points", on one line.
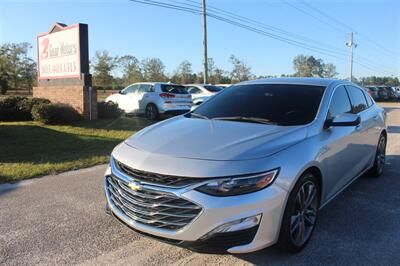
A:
{"points": [[63, 68]]}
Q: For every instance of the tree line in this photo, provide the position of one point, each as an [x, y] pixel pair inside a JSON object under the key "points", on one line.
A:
{"points": [[18, 70]]}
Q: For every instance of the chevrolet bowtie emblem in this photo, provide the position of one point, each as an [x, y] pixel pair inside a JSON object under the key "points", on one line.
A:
{"points": [[134, 186]]}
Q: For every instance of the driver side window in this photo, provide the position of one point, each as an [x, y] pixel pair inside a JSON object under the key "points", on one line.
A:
{"points": [[340, 103], [130, 89]]}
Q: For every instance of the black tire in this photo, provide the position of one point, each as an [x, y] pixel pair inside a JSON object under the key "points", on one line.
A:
{"points": [[299, 220], [380, 157], [151, 112]]}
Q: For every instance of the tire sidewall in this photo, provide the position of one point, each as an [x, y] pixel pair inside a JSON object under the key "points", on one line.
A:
{"points": [[285, 240], [147, 112]]}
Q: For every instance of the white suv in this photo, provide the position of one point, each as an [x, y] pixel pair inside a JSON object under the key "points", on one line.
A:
{"points": [[153, 99]]}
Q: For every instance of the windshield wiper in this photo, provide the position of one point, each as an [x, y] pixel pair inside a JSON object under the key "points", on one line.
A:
{"points": [[247, 119], [199, 116]]}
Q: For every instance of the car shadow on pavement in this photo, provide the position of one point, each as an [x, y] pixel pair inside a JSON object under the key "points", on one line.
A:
{"points": [[360, 226]]}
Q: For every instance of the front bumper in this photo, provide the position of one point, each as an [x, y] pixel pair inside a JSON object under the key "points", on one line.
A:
{"points": [[216, 211]]}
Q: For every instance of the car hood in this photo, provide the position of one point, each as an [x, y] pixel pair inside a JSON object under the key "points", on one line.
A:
{"points": [[219, 140]]}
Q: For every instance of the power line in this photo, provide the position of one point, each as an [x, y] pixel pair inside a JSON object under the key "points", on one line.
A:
{"points": [[250, 28], [348, 27], [315, 17], [275, 29], [373, 63]]}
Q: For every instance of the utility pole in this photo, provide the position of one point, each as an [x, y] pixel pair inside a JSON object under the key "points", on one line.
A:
{"points": [[205, 58], [351, 44]]}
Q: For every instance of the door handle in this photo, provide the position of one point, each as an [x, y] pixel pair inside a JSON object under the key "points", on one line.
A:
{"points": [[376, 117]]}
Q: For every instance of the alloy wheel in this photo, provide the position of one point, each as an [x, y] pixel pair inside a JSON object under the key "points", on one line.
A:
{"points": [[304, 213]]}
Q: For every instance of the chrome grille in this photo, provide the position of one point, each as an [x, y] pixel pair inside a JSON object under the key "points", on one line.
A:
{"points": [[158, 179], [151, 207]]}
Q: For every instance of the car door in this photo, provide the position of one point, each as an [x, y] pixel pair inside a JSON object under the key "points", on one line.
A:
{"points": [[128, 101], [340, 151], [368, 134], [144, 95]]}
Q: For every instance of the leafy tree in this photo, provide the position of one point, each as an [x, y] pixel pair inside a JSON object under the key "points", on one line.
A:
{"points": [[217, 75], [131, 69], [16, 67], [373, 80], [329, 70], [309, 66], [103, 65], [241, 71], [184, 73], [153, 69]]}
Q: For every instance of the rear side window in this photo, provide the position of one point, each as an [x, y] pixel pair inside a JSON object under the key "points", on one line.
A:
{"points": [[340, 103], [357, 99], [369, 100], [176, 89]]}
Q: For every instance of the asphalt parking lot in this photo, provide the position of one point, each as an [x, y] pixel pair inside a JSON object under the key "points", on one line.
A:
{"points": [[60, 220]]}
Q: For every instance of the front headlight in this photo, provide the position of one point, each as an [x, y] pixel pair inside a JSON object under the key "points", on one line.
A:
{"points": [[238, 185]]}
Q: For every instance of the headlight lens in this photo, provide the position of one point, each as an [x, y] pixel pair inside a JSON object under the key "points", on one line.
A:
{"points": [[238, 185]]}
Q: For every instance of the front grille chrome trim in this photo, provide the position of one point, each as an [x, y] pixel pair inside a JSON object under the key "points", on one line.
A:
{"points": [[161, 208]]}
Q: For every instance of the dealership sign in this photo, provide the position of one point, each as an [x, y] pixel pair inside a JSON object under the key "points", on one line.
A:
{"points": [[60, 52]]}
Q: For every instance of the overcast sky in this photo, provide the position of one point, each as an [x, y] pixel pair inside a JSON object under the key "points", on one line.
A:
{"points": [[125, 27]]}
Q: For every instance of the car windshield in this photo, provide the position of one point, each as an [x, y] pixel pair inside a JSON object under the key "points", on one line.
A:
{"points": [[171, 88], [212, 88], [280, 104]]}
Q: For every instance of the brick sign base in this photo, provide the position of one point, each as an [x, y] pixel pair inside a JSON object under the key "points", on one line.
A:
{"points": [[77, 96]]}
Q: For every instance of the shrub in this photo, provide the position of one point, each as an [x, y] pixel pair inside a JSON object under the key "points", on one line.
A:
{"points": [[17, 108], [108, 110], [25, 106], [55, 113], [9, 110]]}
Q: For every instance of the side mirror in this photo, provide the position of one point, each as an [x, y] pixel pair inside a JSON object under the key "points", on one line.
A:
{"points": [[121, 92], [343, 120]]}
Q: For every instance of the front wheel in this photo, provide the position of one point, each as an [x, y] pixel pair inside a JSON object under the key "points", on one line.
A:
{"points": [[380, 158], [151, 112], [300, 215]]}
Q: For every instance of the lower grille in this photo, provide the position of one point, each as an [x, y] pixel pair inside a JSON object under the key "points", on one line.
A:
{"points": [[151, 207]]}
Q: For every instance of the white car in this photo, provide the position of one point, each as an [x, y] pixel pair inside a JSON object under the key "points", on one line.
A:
{"points": [[200, 92], [153, 99], [398, 92]]}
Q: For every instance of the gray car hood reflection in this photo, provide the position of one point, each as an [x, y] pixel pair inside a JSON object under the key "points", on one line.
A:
{"points": [[219, 140]]}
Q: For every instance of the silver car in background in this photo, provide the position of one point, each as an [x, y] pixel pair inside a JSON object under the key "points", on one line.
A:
{"points": [[250, 167], [153, 99], [201, 92]]}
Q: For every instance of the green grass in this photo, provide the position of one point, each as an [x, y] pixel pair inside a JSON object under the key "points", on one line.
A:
{"points": [[30, 149]]}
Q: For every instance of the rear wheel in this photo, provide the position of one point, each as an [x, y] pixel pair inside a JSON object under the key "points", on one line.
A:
{"points": [[300, 215], [151, 112], [380, 158]]}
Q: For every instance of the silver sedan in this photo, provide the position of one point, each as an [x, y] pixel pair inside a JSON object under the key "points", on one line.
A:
{"points": [[249, 168]]}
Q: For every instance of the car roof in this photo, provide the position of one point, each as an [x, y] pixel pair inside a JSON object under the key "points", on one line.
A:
{"points": [[154, 83], [303, 81]]}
